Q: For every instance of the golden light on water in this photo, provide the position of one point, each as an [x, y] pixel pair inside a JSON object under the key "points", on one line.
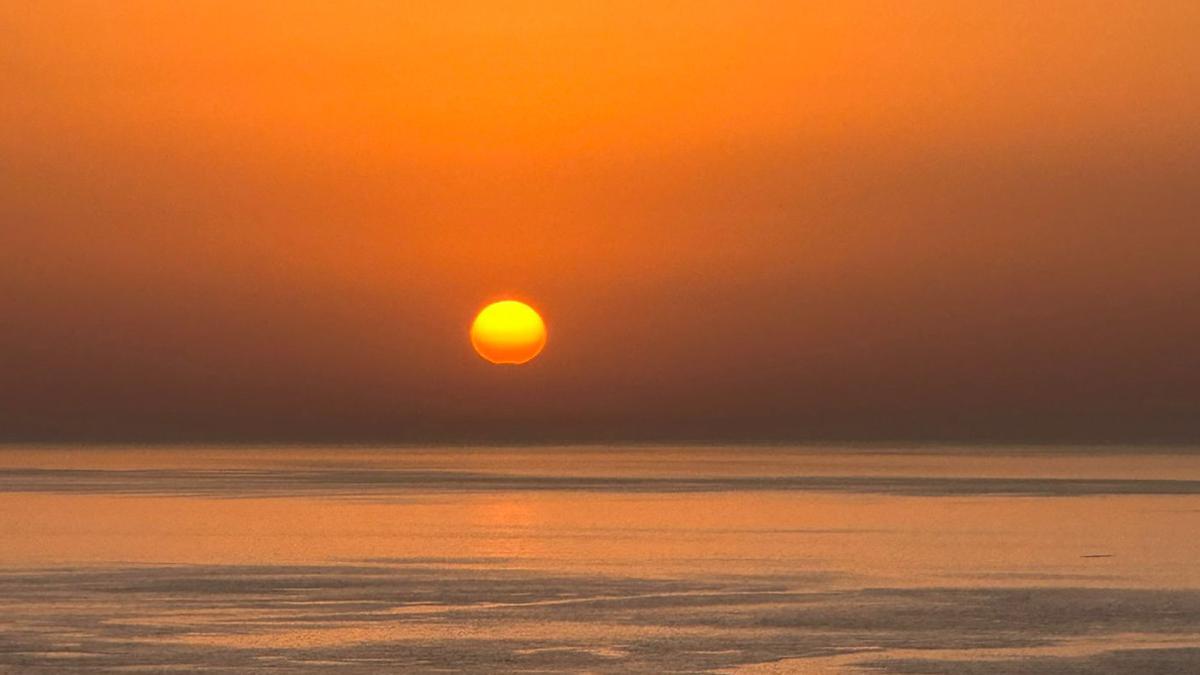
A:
{"points": [[508, 332]]}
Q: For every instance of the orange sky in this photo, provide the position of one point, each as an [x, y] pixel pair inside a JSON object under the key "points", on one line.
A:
{"points": [[257, 220]]}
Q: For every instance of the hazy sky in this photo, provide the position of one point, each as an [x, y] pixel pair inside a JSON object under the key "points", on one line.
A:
{"points": [[275, 220]]}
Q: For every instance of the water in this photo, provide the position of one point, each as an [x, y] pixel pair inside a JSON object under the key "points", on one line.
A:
{"points": [[667, 559]]}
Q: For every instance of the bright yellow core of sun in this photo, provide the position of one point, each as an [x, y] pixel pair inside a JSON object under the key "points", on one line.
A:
{"points": [[508, 332]]}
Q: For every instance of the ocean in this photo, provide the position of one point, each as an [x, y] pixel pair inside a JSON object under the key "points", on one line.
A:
{"points": [[671, 559]]}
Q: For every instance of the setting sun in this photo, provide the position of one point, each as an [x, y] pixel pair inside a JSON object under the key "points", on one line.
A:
{"points": [[508, 332]]}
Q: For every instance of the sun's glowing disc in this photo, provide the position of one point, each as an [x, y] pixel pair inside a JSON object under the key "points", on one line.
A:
{"points": [[508, 332]]}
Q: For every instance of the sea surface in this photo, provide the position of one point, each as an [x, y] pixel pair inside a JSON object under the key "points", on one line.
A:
{"points": [[667, 559]]}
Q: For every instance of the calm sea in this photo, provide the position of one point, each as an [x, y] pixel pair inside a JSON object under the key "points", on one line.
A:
{"points": [[600, 559]]}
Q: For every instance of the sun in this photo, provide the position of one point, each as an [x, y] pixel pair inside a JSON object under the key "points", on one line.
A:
{"points": [[508, 332]]}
